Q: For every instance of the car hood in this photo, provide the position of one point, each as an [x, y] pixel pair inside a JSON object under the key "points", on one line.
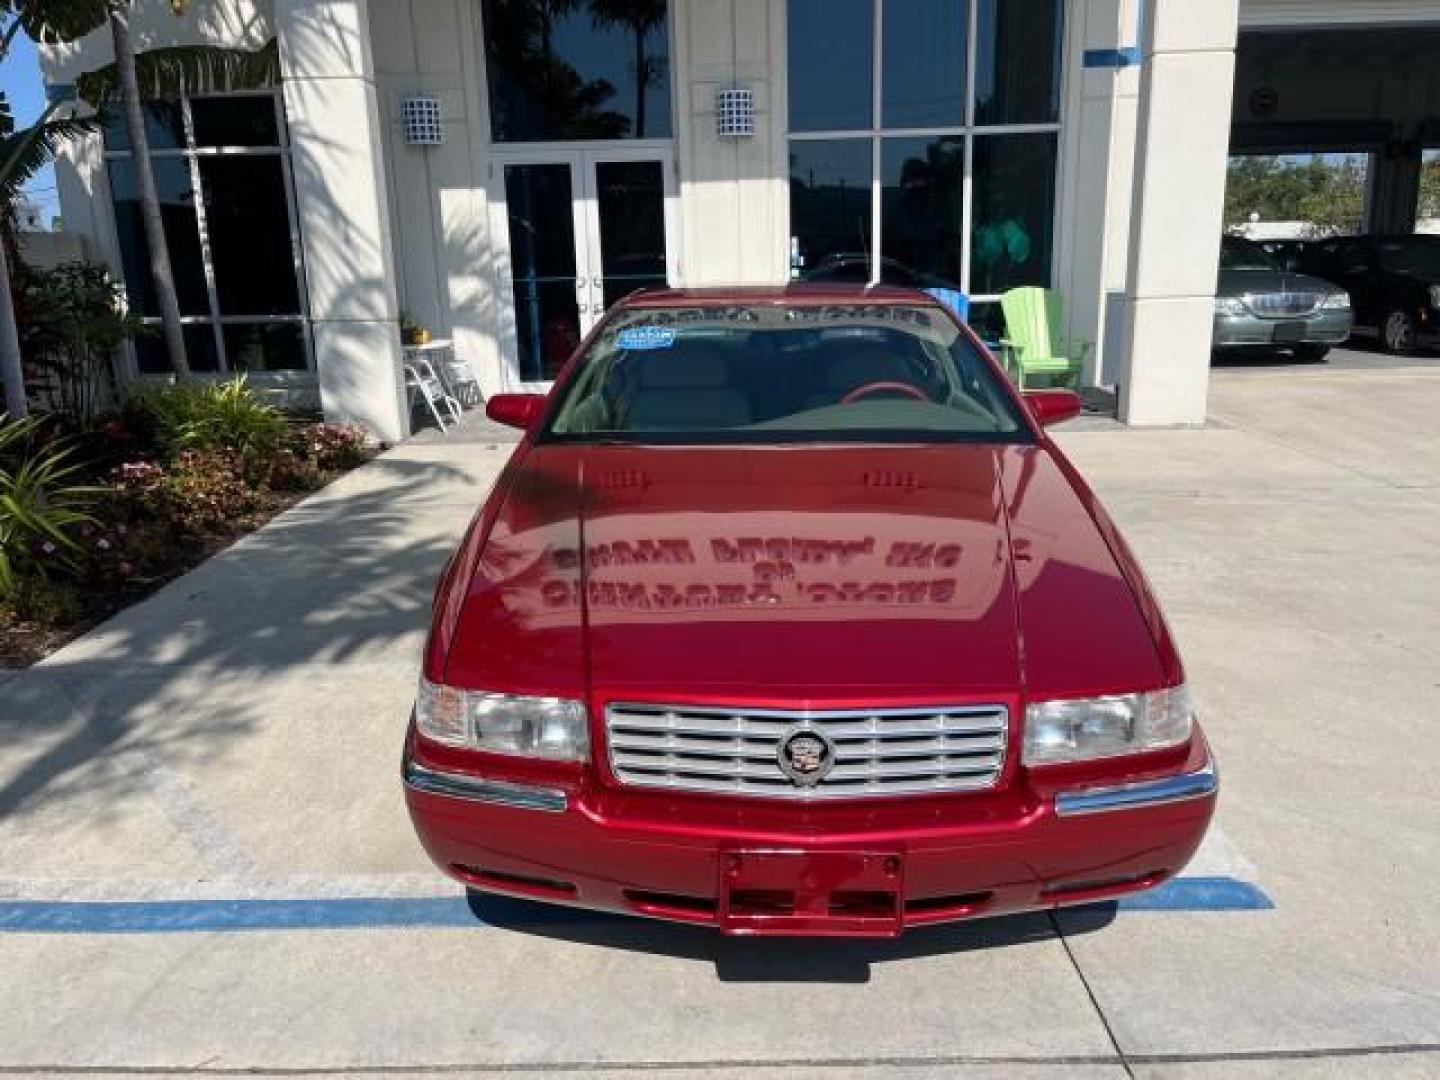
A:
{"points": [[1242, 282], [797, 575]]}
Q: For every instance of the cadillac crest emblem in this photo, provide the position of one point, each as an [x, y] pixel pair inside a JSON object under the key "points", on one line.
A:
{"points": [[806, 755]]}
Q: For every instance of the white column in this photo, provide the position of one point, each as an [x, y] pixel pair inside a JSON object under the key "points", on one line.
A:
{"points": [[734, 192], [1177, 210], [1090, 232], [331, 105]]}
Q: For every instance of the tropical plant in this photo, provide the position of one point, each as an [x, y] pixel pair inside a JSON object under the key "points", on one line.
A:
{"points": [[23, 152], [224, 415], [41, 506], [74, 322]]}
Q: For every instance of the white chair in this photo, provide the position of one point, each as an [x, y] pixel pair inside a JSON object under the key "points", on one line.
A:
{"points": [[462, 381], [422, 382]]}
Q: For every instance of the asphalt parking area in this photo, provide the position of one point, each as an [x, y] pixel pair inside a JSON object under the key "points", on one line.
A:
{"points": [[205, 863]]}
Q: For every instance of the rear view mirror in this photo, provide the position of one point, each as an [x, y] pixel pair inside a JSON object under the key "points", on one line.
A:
{"points": [[515, 410], [1053, 406]]}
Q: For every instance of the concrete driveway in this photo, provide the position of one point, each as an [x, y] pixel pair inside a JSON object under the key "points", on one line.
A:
{"points": [[236, 738]]}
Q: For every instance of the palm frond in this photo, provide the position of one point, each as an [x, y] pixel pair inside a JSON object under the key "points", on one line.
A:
{"points": [[58, 20], [25, 152], [186, 69]]}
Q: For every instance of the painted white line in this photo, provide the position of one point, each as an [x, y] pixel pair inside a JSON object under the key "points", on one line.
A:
{"points": [[1219, 857]]}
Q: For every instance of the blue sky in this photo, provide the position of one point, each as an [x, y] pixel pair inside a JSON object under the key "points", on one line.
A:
{"points": [[20, 79]]}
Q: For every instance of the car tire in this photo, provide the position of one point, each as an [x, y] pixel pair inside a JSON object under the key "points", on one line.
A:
{"points": [[1398, 333], [1311, 354]]}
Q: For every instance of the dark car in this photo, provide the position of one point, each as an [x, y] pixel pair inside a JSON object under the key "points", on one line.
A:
{"points": [[854, 268], [1393, 282]]}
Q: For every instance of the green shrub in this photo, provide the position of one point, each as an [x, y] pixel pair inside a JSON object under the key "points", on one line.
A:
{"points": [[223, 415], [41, 505], [72, 321], [334, 446]]}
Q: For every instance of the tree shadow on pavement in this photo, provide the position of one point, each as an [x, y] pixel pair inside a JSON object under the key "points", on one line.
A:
{"points": [[344, 576]]}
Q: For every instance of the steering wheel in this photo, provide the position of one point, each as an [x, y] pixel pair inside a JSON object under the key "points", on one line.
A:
{"points": [[880, 387]]}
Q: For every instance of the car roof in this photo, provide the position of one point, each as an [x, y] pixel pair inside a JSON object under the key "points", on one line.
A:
{"points": [[799, 292]]}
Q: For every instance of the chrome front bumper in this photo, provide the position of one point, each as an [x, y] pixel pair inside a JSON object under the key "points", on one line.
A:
{"points": [[1100, 800], [1325, 327], [479, 789]]}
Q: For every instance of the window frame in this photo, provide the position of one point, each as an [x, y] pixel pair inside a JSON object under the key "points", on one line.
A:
{"points": [[192, 154], [877, 132]]}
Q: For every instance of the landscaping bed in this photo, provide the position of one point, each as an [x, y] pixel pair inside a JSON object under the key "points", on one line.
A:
{"points": [[93, 519]]}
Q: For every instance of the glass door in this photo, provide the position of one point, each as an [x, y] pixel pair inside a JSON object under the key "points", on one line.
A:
{"points": [[543, 290], [584, 228], [627, 204]]}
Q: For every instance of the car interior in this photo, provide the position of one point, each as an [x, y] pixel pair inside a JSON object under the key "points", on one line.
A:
{"points": [[835, 377]]}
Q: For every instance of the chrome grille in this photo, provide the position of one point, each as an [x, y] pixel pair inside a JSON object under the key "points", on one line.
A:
{"points": [[876, 751], [1282, 304]]}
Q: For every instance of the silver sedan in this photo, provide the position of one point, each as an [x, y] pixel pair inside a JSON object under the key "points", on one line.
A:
{"points": [[1258, 305]]}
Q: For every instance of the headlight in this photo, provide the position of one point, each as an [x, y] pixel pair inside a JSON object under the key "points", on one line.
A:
{"points": [[1082, 729], [1336, 300], [543, 727], [1435, 296], [1229, 305]]}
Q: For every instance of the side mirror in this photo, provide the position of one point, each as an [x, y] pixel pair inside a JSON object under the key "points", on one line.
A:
{"points": [[515, 410], [1053, 406]]}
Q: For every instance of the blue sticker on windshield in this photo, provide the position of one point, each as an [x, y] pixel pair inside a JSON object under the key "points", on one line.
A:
{"points": [[645, 337]]}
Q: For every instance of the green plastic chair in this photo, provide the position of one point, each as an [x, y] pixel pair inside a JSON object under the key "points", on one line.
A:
{"points": [[1034, 345]]}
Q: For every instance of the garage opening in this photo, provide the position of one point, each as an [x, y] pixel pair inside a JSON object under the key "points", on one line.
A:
{"points": [[1334, 174], [1337, 107]]}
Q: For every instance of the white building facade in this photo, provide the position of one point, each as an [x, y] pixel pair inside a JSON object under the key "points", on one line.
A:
{"points": [[589, 147]]}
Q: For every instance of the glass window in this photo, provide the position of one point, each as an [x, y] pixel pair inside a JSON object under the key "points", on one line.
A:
{"points": [[164, 127], [235, 121], [830, 199], [922, 206], [248, 218], [1017, 62], [1014, 208], [177, 211], [230, 234], [923, 63], [785, 374], [936, 133], [830, 67], [200, 350], [578, 69], [274, 346]]}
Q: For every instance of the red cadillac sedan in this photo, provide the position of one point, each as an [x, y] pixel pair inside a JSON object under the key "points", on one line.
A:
{"points": [[788, 617]]}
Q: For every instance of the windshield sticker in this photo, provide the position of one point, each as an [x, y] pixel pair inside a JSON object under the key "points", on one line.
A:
{"points": [[636, 338]]}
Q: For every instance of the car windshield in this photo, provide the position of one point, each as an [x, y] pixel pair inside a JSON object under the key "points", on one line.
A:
{"points": [[1244, 255], [772, 373], [1418, 255]]}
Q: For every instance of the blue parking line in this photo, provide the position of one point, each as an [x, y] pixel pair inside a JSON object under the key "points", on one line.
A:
{"points": [[1200, 894], [188, 916]]}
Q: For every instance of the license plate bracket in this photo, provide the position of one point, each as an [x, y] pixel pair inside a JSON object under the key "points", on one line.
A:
{"points": [[1288, 332], [816, 893]]}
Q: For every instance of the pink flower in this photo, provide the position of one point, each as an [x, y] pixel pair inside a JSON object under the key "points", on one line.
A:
{"points": [[48, 548]]}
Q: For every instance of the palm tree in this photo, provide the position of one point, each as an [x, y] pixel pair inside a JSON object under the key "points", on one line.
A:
{"points": [[22, 154]]}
